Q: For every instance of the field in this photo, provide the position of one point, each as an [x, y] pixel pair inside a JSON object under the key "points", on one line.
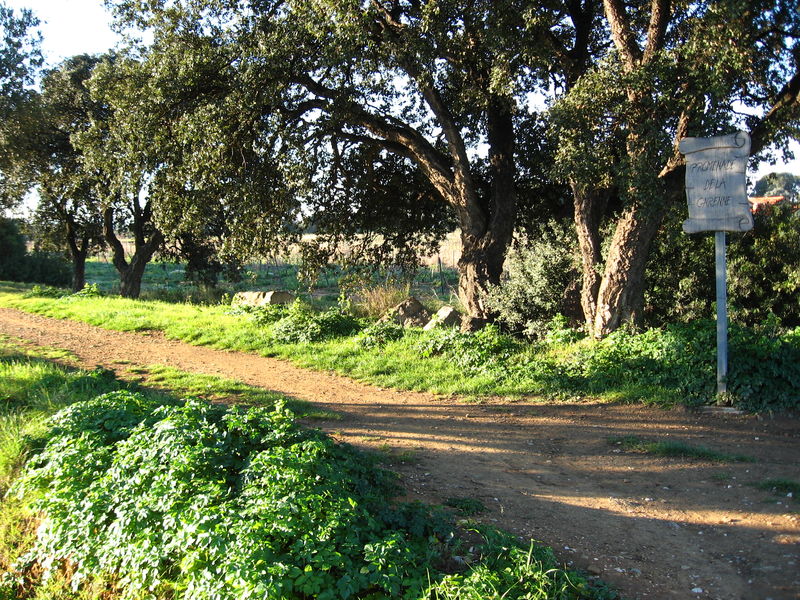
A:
{"points": [[659, 502], [436, 279]]}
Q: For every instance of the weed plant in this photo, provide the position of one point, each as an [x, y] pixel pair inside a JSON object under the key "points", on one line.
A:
{"points": [[781, 486], [198, 501], [380, 333], [304, 324]]}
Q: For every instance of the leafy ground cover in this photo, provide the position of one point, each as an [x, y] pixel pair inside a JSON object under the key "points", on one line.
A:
{"points": [[148, 496], [674, 364]]}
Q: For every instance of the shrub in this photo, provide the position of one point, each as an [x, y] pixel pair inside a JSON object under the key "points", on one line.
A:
{"points": [[12, 250], [485, 350], [380, 333], [541, 280], [262, 315], [303, 324], [18, 265], [764, 370], [763, 272], [202, 501]]}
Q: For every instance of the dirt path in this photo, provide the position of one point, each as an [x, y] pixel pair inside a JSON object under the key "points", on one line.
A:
{"points": [[652, 527]]}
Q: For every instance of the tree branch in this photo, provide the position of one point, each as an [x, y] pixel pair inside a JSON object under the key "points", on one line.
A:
{"points": [[788, 100], [621, 33], [436, 168], [657, 29]]}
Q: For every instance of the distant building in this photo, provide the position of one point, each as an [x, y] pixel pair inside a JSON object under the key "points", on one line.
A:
{"points": [[764, 204]]}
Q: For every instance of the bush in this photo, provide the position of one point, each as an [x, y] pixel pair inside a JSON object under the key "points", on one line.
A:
{"points": [[379, 334], [17, 265], [200, 501], [12, 250], [764, 368], [541, 280], [763, 272], [262, 315], [486, 350], [303, 324]]}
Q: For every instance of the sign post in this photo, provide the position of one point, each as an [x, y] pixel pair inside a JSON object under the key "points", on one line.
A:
{"points": [[717, 197], [722, 313]]}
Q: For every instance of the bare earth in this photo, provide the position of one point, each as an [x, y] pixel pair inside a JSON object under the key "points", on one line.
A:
{"points": [[652, 527]]}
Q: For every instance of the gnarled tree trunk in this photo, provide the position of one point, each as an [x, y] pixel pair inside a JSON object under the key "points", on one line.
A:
{"points": [[486, 231], [78, 253], [620, 295], [130, 273]]}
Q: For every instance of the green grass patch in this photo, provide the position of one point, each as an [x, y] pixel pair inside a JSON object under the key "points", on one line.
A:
{"points": [[466, 507], [780, 486], [675, 449]]}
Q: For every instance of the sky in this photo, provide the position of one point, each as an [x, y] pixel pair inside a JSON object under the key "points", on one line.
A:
{"points": [[72, 27]]}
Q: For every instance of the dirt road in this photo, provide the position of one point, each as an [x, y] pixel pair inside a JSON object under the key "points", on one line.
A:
{"points": [[653, 527]]}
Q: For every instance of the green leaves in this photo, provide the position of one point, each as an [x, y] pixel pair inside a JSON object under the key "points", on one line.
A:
{"points": [[199, 501], [217, 502]]}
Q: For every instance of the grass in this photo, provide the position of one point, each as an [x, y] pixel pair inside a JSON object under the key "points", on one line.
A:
{"points": [[466, 507], [781, 486], [396, 365], [662, 367], [673, 449]]}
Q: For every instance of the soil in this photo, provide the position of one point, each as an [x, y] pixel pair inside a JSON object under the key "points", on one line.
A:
{"points": [[652, 527]]}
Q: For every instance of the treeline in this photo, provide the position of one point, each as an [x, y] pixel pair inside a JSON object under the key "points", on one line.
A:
{"points": [[245, 123]]}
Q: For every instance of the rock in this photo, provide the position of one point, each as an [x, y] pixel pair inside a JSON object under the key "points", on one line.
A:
{"points": [[447, 316], [262, 298], [409, 313]]}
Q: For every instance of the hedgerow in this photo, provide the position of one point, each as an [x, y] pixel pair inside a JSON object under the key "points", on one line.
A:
{"points": [[674, 364], [199, 502]]}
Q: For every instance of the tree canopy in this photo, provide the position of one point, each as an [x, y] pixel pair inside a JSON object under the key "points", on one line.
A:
{"points": [[387, 122], [20, 57]]}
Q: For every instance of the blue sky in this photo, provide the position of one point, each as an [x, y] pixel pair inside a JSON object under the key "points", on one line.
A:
{"points": [[72, 27]]}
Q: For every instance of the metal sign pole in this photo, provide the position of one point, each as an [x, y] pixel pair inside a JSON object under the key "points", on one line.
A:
{"points": [[722, 313]]}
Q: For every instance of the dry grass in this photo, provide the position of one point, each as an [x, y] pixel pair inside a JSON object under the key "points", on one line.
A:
{"points": [[374, 301]]}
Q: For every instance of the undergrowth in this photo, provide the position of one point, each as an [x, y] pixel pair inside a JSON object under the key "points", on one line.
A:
{"points": [[669, 448], [198, 501], [666, 366]]}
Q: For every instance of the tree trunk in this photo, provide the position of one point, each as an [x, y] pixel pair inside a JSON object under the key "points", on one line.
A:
{"points": [[480, 265], [486, 231], [589, 207], [620, 296], [78, 272], [130, 274], [77, 253], [130, 280]]}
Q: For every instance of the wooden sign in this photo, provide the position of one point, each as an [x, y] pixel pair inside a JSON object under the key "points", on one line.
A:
{"points": [[716, 183]]}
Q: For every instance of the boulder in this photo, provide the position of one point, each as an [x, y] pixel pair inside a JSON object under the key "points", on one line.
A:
{"points": [[447, 316], [262, 298], [409, 313]]}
